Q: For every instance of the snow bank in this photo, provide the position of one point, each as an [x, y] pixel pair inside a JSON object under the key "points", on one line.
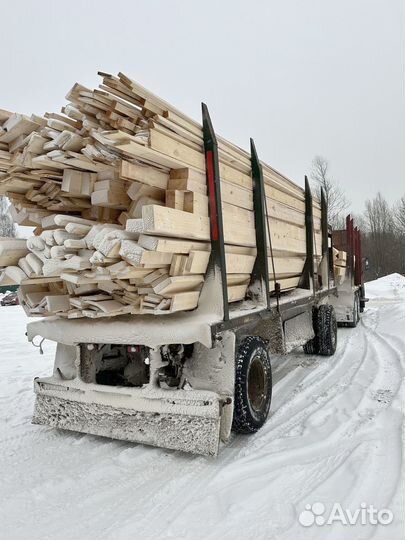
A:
{"points": [[390, 287]]}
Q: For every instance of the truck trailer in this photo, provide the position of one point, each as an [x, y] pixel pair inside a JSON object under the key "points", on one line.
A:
{"points": [[351, 300], [186, 381]]}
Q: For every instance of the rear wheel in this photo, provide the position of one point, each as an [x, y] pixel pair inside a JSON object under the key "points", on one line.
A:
{"points": [[356, 312], [253, 386], [327, 326], [362, 294], [325, 329]]}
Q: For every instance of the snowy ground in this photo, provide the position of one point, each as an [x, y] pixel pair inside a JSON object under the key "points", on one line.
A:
{"points": [[335, 435]]}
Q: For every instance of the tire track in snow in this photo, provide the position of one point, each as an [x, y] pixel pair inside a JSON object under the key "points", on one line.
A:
{"points": [[346, 437], [325, 386], [236, 450], [370, 419], [101, 489]]}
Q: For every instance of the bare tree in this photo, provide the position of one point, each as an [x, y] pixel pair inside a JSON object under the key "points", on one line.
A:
{"points": [[399, 216], [379, 216], [360, 222], [382, 242], [7, 227], [334, 194]]}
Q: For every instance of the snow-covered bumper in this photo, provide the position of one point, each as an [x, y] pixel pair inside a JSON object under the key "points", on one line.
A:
{"points": [[180, 420]]}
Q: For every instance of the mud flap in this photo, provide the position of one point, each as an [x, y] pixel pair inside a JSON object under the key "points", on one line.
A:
{"points": [[190, 423]]}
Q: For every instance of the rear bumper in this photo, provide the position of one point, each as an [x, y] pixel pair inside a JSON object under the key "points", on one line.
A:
{"points": [[179, 420]]}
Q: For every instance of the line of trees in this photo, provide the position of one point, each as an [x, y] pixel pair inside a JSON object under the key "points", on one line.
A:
{"points": [[384, 237], [382, 225]]}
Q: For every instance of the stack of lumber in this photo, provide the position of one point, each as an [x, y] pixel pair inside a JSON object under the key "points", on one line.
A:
{"points": [[5, 156], [115, 187], [339, 264]]}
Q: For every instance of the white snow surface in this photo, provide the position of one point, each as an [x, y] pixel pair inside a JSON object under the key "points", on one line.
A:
{"points": [[390, 287], [335, 435]]}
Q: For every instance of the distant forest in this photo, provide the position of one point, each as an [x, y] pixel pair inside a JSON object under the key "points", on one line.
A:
{"points": [[382, 225]]}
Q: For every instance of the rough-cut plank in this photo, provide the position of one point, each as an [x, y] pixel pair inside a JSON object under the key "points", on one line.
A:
{"points": [[184, 301], [78, 183], [11, 250], [176, 284], [146, 175], [57, 303], [12, 275], [164, 221], [285, 284], [133, 148], [236, 293], [340, 273], [237, 279], [237, 213], [175, 199], [237, 196], [286, 265], [239, 264], [110, 199], [131, 252], [196, 203], [185, 184], [169, 222], [137, 190], [192, 175], [62, 220], [197, 262], [187, 156], [178, 265], [171, 245]]}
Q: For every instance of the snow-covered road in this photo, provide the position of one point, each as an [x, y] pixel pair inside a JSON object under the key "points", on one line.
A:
{"points": [[335, 435]]}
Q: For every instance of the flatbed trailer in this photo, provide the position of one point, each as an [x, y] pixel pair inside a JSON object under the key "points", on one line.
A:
{"points": [[184, 381]]}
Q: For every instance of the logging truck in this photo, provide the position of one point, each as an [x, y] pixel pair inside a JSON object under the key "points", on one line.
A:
{"points": [[186, 380]]}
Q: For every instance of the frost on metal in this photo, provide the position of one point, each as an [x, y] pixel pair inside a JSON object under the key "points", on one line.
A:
{"points": [[298, 330], [198, 435]]}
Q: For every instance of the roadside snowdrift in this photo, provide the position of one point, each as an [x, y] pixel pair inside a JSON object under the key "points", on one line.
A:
{"points": [[390, 287]]}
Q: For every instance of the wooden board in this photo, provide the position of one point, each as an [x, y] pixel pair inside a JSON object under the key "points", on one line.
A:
{"points": [[146, 175]]}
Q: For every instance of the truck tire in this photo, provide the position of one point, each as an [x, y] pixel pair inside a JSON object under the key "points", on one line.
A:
{"points": [[362, 294], [327, 330], [253, 386], [311, 347], [356, 312]]}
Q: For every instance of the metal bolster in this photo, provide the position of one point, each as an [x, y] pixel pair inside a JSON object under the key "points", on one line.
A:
{"points": [[358, 264], [324, 223], [326, 251], [261, 268], [309, 271], [360, 257], [354, 255], [348, 244], [350, 247], [217, 260], [353, 252]]}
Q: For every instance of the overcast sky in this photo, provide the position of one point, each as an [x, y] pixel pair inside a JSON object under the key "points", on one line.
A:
{"points": [[303, 77]]}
